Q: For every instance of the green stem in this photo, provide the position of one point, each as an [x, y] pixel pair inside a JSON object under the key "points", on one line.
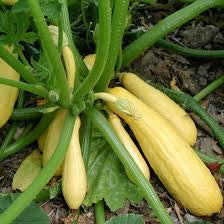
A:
{"points": [[24, 60], [170, 23], [189, 52], [190, 103], [12, 130], [25, 73], [210, 88], [60, 35], [86, 139], [117, 32], [21, 99], [8, 138], [99, 213], [27, 113], [81, 67], [144, 185], [32, 88], [51, 51], [101, 53], [21, 143], [209, 158], [27, 129], [15, 209]]}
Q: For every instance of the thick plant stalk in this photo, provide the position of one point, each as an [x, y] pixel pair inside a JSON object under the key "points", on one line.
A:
{"points": [[118, 26], [149, 193], [35, 89], [189, 52], [99, 212], [28, 113], [46, 174], [51, 51], [101, 53], [170, 23]]}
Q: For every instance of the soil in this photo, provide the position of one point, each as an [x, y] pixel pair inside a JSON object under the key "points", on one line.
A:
{"points": [[159, 65]]}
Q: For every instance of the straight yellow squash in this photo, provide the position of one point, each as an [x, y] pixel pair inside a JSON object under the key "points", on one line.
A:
{"points": [[74, 181], [176, 164], [8, 94], [122, 134], [161, 103]]}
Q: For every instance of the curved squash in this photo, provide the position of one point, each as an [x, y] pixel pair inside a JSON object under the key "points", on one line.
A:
{"points": [[122, 134], [74, 182], [53, 137], [176, 164], [8, 94], [161, 103]]}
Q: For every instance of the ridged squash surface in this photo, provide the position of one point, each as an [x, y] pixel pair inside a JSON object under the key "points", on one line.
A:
{"points": [[176, 164], [161, 103]]}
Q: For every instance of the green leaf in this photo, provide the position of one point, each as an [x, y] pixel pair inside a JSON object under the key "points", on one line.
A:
{"points": [[106, 177], [28, 171], [126, 219], [50, 8], [14, 27], [33, 214]]}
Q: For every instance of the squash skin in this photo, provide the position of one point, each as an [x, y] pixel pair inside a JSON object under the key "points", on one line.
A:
{"points": [[8, 94], [53, 137], [122, 134], [41, 140], [89, 61], [74, 180], [161, 103], [176, 164]]}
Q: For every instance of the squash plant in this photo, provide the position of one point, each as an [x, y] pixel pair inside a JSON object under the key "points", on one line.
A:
{"points": [[50, 83]]}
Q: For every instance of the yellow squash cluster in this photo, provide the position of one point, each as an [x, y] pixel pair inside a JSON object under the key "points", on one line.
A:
{"points": [[165, 133]]}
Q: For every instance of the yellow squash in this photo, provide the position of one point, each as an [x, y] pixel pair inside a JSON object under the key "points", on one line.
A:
{"points": [[89, 61], [53, 137], [8, 94], [176, 164], [161, 103], [74, 182], [41, 140], [122, 134]]}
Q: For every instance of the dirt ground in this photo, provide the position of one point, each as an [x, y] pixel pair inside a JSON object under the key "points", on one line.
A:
{"points": [[159, 65]]}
